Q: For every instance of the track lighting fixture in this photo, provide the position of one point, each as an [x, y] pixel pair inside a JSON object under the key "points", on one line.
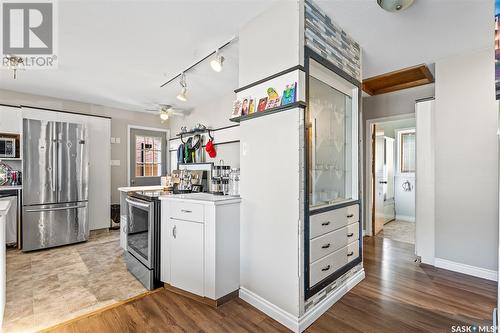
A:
{"points": [[183, 94], [216, 62]]}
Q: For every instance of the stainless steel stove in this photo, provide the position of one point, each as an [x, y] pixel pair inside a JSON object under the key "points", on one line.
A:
{"points": [[143, 237]]}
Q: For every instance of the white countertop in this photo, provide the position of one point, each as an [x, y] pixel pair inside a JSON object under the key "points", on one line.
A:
{"points": [[140, 188], [10, 187], [202, 197]]}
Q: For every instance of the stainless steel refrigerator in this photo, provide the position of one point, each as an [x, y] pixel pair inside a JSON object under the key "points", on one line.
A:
{"points": [[55, 184]]}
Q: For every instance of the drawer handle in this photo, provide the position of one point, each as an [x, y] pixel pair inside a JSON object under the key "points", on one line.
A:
{"points": [[326, 246], [350, 215], [186, 211], [351, 234], [350, 254], [325, 268], [325, 223]]}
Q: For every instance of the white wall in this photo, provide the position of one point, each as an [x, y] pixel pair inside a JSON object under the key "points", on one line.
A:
{"points": [[466, 160], [405, 200], [119, 122]]}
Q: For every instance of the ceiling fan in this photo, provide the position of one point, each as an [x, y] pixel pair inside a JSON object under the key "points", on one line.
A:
{"points": [[167, 110]]}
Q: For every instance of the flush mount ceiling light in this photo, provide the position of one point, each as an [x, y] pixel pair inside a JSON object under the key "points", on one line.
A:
{"points": [[183, 94], [395, 5], [217, 61]]}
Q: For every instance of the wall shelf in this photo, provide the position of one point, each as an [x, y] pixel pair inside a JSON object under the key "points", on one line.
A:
{"points": [[269, 111]]}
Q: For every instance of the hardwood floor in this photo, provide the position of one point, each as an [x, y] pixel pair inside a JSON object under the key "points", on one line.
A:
{"points": [[397, 295]]}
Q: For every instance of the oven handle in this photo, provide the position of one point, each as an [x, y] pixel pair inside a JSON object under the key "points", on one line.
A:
{"points": [[137, 203]]}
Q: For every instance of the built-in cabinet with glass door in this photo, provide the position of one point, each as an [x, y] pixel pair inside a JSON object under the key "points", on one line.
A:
{"points": [[332, 219]]}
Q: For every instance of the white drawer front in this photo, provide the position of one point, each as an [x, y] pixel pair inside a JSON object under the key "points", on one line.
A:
{"points": [[328, 243], [187, 211], [323, 223], [352, 214], [352, 232], [326, 266], [352, 251]]}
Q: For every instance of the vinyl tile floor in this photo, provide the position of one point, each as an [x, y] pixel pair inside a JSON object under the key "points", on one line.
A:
{"points": [[48, 287], [400, 231]]}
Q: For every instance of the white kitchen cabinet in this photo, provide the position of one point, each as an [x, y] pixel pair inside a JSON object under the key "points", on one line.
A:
{"points": [[10, 120], [200, 248], [186, 263]]}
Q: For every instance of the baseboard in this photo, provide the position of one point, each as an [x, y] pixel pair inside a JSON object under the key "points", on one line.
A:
{"points": [[405, 218], [483, 273], [273, 311], [292, 322], [312, 315]]}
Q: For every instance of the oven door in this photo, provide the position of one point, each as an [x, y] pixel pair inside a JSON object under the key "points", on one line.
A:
{"points": [[140, 231]]}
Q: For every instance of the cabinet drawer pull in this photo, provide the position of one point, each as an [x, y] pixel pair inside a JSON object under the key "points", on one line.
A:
{"points": [[174, 231], [326, 246], [351, 234], [325, 223], [324, 269], [350, 215], [186, 211], [350, 253]]}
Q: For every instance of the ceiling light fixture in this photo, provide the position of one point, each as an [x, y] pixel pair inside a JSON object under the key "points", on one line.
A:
{"points": [[14, 63], [216, 62], [183, 94], [164, 115], [395, 5]]}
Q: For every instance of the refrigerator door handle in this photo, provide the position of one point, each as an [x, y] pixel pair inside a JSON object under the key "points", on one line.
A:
{"points": [[54, 156], [52, 209], [59, 164]]}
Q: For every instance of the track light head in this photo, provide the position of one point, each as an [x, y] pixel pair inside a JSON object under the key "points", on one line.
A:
{"points": [[217, 62], [183, 94]]}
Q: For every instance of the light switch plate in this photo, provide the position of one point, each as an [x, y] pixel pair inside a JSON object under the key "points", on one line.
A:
{"points": [[115, 162], [117, 140], [113, 140]]}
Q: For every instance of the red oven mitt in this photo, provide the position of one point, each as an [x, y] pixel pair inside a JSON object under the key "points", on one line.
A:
{"points": [[210, 148]]}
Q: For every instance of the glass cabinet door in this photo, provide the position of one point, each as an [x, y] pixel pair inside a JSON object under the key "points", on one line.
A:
{"points": [[333, 138]]}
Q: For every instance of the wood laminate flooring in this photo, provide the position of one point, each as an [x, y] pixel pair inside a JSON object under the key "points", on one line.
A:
{"points": [[397, 295]]}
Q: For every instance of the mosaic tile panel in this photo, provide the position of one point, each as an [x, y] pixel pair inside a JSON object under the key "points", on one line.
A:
{"points": [[326, 38]]}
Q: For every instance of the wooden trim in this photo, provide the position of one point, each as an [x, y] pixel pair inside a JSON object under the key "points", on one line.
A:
{"points": [[270, 77], [373, 137], [398, 80], [201, 299], [99, 311]]}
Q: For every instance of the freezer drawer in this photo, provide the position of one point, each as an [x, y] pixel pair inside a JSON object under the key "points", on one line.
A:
{"points": [[47, 226]]}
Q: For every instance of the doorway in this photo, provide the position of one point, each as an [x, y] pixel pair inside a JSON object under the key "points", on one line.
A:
{"points": [[392, 178], [147, 155]]}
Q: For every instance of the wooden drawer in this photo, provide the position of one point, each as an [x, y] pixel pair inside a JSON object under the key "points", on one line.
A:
{"points": [[328, 243], [323, 223], [327, 265], [352, 232], [186, 211], [352, 251]]}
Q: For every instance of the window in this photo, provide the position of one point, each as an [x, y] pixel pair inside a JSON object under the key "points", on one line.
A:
{"points": [[407, 151], [147, 156]]}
